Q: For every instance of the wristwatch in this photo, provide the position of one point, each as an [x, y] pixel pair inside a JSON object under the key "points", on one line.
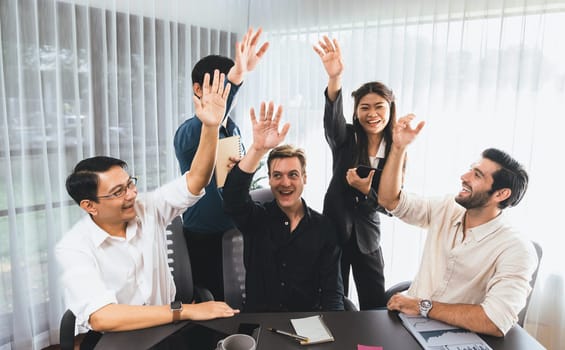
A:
{"points": [[176, 308], [425, 307]]}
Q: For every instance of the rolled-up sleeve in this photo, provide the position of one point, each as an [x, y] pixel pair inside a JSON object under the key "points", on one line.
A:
{"points": [[85, 291], [412, 210], [508, 289]]}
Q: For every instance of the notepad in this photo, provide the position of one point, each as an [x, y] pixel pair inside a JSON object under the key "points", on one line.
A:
{"points": [[314, 328], [227, 147]]}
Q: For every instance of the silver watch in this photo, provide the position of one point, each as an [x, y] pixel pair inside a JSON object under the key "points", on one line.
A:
{"points": [[425, 307]]}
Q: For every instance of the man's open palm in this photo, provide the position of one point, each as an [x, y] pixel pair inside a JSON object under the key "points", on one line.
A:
{"points": [[211, 107]]}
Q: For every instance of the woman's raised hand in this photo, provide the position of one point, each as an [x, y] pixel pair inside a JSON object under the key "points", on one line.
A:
{"points": [[403, 133], [330, 53]]}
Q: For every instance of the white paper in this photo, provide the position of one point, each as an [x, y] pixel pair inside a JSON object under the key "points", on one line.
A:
{"points": [[313, 328]]}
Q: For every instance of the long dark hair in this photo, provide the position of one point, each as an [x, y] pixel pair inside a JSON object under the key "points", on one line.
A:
{"points": [[362, 156]]}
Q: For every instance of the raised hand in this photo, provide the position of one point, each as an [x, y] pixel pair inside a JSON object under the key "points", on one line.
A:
{"points": [[246, 58], [211, 107], [330, 53], [403, 133], [266, 134]]}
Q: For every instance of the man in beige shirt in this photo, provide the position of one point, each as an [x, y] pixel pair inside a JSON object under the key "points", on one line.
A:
{"points": [[475, 268]]}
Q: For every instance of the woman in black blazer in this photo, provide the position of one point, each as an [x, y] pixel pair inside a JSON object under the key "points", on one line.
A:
{"points": [[351, 199]]}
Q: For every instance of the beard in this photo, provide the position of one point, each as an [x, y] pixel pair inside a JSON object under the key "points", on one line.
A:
{"points": [[475, 200]]}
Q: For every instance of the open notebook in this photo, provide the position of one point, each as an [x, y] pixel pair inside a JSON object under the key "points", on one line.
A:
{"points": [[227, 147], [314, 328]]}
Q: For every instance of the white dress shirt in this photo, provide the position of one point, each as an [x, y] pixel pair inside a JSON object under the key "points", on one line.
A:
{"points": [[491, 267], [99, 269]]}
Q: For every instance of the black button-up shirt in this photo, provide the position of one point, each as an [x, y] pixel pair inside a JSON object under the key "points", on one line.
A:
{"points": [[285, 271]]}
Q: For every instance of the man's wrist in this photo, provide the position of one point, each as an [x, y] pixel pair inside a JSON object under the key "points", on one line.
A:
{"points": [[234, 77], [176, 309], [425, 306]]}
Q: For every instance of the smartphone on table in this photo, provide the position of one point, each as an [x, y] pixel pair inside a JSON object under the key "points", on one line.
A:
{"points": [[252, 329]]}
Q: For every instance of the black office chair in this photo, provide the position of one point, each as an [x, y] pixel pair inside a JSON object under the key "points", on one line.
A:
{"points": [[179, 263], [522, 314], [402, 286], [232, 257], [67, 331], [233, 266], [67, 339]]}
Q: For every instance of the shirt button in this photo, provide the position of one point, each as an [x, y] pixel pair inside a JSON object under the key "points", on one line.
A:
{"points": [[286, 223], [283, 264], [282, 284]]}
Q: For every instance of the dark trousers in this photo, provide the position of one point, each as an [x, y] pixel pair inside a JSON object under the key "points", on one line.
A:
{"points": [[368, 273], [205, 250]]}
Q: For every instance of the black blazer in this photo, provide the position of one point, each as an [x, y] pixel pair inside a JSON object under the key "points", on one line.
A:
{"points": [[350, 209]]}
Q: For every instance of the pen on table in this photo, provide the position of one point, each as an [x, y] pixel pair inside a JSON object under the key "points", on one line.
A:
{"points": [[295, 336]]}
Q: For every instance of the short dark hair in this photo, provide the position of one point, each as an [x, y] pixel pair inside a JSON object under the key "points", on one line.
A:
{"points": [[287, 151], [82, 183], [511, 175], [208, 64]]}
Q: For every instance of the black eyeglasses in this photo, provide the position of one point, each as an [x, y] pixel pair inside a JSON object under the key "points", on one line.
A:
{"points": [[122, 190]]}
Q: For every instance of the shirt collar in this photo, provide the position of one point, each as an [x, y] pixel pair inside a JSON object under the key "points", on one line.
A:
{"points": [[480, 232], [278, 211], [488, 228], [382, 148], [98, 235]]}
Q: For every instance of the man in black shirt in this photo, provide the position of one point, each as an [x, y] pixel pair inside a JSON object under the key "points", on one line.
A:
{"points": [[291, 253]]}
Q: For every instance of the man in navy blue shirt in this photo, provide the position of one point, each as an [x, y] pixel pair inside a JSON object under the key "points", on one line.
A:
{"points": [[205, 222]]}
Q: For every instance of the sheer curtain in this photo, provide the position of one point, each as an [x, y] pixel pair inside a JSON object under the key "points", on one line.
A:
{"points": [[79, 78], [481, 73], [76, 80]]}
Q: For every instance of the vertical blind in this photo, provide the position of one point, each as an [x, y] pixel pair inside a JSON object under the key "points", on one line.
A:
{"points": [[97, 77], [78, 81]]}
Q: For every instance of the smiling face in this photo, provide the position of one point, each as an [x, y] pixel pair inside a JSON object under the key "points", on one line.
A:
{"points": [[477, 184], [373, 113], [113, 210], [287, 181]]}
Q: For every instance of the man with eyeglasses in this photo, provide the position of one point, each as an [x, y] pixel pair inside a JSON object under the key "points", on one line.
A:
{"points": [[114, 261]]}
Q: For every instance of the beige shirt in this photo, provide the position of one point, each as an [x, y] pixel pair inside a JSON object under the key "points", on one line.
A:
{"points": [[491, 267]]}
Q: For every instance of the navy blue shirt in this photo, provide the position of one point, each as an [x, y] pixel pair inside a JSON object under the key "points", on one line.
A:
{"points": [[285, 271], [207, 215]]}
